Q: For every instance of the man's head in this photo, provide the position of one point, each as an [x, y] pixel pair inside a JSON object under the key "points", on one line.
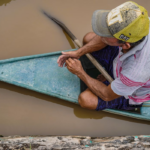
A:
{"points": [[115, 42], [128, 22]]}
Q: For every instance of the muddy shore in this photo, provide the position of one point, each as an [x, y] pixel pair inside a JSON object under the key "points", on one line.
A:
{"points": [[141, 142]]}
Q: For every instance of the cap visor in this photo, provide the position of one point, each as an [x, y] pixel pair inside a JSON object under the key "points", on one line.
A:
{"points": [[99, 24]]}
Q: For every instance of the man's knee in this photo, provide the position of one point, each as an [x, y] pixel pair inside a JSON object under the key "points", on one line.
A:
{"points": [[82, 100], [88, 37], [88, 100]]}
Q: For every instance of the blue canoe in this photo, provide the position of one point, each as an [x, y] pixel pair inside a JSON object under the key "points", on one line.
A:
{"points": [[41, 73]]}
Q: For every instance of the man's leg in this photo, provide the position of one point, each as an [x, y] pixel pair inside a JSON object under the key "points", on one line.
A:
{"points": [[88, 37], [88, 99]]}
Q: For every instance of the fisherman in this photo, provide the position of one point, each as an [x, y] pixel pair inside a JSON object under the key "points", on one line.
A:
{"points": [[121, 43]]}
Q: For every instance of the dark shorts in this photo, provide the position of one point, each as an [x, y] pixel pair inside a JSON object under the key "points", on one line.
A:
{"points": [[106, 57]]}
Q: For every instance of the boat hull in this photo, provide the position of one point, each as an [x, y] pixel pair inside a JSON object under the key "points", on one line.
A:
{"points": [[42, 74]]}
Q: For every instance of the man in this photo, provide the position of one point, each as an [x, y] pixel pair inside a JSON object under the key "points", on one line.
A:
{"points": [[120, 42]]}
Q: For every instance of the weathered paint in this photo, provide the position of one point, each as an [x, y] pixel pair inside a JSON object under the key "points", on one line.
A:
{"points": [[42, 74]]}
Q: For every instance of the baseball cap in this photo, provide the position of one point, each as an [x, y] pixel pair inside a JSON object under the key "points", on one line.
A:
{"points": [[128, 22]]}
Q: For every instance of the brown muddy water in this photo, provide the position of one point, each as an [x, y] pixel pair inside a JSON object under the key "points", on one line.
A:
{"points": [[25, 31]]}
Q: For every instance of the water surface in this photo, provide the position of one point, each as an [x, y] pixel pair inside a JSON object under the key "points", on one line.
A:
{"points": [[24, 30]]}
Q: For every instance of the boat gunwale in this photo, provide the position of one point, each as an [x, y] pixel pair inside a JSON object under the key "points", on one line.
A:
{"points": [[127, 114], [33, 56]]}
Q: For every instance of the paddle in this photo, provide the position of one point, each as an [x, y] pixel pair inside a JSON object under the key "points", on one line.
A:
{"points": [[77, 42]]}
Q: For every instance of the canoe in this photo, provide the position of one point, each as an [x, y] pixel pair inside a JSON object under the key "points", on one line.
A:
{"points": [[41, 73]]}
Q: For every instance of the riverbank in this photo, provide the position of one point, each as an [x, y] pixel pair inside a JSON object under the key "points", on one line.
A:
{"points": [[141, 142]]}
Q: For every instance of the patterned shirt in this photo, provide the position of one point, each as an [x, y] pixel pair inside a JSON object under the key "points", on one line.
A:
{"points": [[132, 73]]}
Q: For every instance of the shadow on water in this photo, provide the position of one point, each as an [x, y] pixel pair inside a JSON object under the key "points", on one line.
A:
{"points": [[58, 24], [78, 111], [5, 2]]}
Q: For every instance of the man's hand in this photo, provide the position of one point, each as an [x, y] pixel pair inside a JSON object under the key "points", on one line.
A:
{"points": [[101, 78], [65, 55], [74, 66]]}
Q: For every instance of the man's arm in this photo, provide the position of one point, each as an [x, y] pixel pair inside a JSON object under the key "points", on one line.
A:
{"points": [[97, 87], [94, 44]]}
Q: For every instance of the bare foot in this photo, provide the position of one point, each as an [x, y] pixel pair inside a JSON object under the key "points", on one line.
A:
{"points": [[101, 78]]}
